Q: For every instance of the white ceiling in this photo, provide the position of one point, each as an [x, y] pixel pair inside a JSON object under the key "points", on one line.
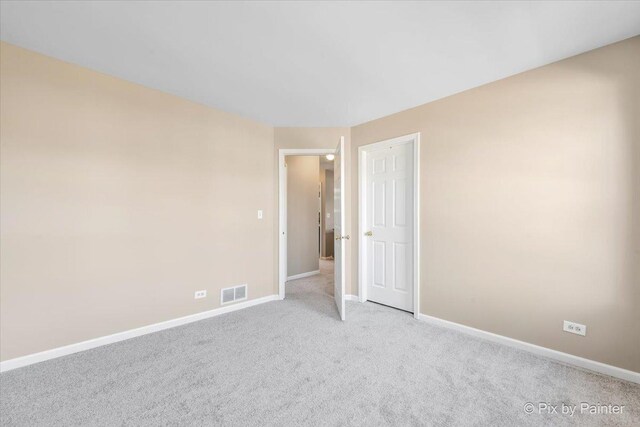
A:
{"points": [[314, 64]]}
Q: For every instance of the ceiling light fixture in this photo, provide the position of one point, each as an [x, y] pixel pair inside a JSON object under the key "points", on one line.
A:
{"points": [[330, 156]]}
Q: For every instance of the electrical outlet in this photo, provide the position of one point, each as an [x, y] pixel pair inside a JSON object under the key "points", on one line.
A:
{"points": [[200, 294], [574, 328]]}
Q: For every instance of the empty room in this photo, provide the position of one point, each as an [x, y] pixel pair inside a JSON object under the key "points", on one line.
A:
{"points": [[336, 213]]}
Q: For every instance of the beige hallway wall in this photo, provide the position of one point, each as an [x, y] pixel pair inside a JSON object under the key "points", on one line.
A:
{"points": [[303, 174], [329, 221], [530, 209], [118, 202], [328, 177], [326, 182]]}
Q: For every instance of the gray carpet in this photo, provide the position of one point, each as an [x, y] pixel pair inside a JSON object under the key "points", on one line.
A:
{"points": [[293, 362]]}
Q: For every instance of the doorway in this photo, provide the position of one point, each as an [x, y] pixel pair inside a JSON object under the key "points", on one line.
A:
{"points": [[339, 239], [389, 223], [326, 227]]}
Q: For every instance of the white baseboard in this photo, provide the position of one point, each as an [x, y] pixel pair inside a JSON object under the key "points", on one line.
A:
{"points": [[569, 359], [30, 359], [132, 333], [301, 275]]}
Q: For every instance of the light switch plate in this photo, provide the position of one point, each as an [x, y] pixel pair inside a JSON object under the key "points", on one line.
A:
{"points": [[260, 214]]}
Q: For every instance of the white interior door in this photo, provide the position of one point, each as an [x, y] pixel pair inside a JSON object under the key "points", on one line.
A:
{"points": [[338, 226], [389, 226]]}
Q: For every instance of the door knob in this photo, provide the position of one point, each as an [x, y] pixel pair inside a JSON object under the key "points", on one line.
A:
{"points": [[369, 233], [338, 238]]}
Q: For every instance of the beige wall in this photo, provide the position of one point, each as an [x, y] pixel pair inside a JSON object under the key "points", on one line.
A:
{"points": [[118, 202], [326, 224], [329, 199], [530, 204], [303, 174], [323, 189], [302, 138]]}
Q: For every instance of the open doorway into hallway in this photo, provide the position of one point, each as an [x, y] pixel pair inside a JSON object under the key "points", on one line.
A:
{"points": [[326, 226], [302, 242], [310, 225]]}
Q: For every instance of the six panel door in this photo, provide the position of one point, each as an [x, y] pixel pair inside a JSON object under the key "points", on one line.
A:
{"points": [[389, 218]]}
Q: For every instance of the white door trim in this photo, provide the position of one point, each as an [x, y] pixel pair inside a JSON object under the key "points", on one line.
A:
{"points": [[414, 139], [282, 206]]}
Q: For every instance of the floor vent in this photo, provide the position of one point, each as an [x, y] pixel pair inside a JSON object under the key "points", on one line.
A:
{"points": [[237, 293]]}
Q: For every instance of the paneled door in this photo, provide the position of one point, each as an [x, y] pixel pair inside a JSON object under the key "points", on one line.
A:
{"points": [[338, 226], [389, 226]]}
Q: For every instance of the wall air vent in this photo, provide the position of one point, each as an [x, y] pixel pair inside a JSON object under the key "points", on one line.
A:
{"points": [[237, 293]]}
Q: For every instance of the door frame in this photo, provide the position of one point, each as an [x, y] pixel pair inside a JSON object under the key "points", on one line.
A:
{"points": [[282, 206], [414, 139]]}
